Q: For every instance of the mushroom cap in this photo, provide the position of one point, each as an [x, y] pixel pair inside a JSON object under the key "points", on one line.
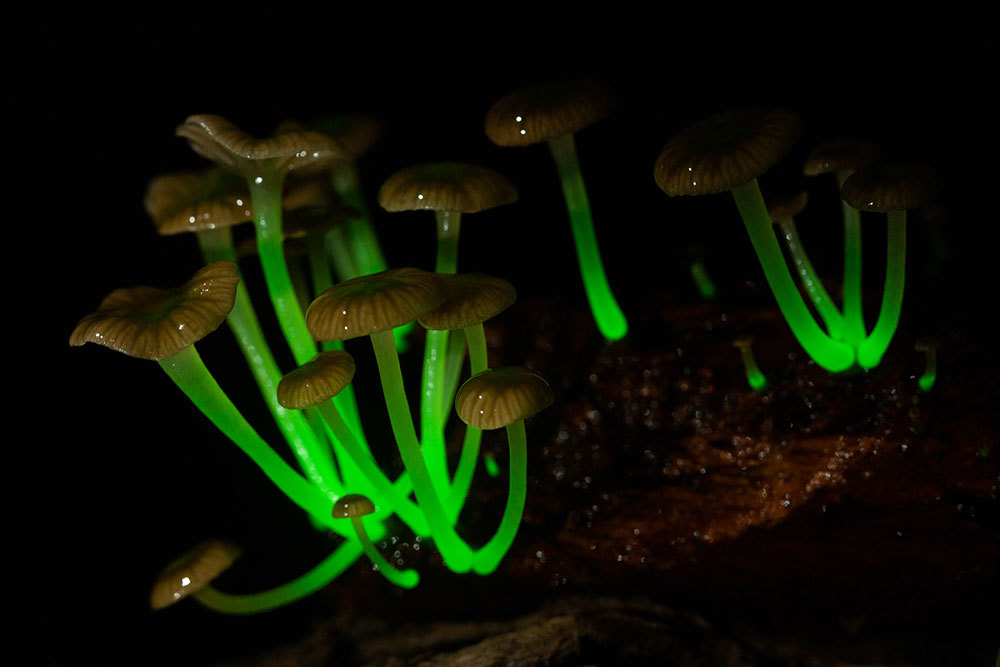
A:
{"points": [[156, 323], [785, 208], [927, 343], [352, 506], [368, 304], [217, 139], [547, 111], [892, 187], [840, 155], [469, 298], [743, 341], [194, 201], [317, 381], [497, 397], [446, 186], [192, 572], [726, 150], [357, 133]]}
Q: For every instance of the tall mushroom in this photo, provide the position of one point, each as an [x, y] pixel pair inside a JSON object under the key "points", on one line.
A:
{"points": [[553, 113], [727, 152]]}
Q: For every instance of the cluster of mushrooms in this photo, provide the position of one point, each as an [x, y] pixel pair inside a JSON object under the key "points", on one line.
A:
{"points": [[328, 282]]}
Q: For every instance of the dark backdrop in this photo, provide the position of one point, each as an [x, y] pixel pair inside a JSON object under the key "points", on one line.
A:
{"points": [[114, 473]]}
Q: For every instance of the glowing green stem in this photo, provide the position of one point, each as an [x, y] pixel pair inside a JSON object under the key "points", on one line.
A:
{"points": [[395, 495], [265, 192], [832, 318], [454, 360], [297, 274], [339, 250], [831, 354], [319, 267], [254, 603], [702, 280], [456, 552], [476, 338], [755, 377], [926, 381], [402, 578], [309, 450], [874, 346], [488, 558], [492, 469], [854, 317], [188, 371], [608, 315]]}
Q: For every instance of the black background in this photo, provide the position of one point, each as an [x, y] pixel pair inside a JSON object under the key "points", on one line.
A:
{"points": [[114, 473]]}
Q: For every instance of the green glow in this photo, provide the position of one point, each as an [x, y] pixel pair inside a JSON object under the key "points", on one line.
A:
{"points": [[874, 346], [217, 245], [456, 552], [926, 381], [854, 318], [488, 558], [339, 249], [454, 360], [702, 280], [831, 354], [755, 377], [492, 469], [188, 371], [402, 578], [608, 315], [297, 274], [329, 569], [832, 318], [476, 338]]}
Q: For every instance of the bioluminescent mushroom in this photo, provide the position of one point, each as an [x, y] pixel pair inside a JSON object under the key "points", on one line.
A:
{"points": [[783, 211], [163, 325], [373, 306], [313, 385], [504, 398], [450, 189], [929, 346], [727, 152], [209, 204], [355, 507], [842, 157], [192, 572], [755, 378], [469, 300], [553, 113], [890, 189]]}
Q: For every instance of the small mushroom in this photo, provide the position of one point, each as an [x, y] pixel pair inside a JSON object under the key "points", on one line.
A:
{"points": [[355, 507], [552, 113], [890, 189], [756, 379], [192, 572], [929, 345]]}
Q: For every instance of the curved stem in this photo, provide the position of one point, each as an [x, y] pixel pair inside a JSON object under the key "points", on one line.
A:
{"points": [[188, 371], [926, 381], [874, 346], [755, 378], [454, 360], [339, 249], [608, 315], [395, 495], [476, 338], [831, 354], [242, 320], [402, 578], [488, 558], [854, 317], [832, 318], [456, 552], [702, 280], [254, 603]]}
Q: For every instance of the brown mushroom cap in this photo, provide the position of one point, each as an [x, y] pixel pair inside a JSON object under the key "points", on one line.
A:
{"points": [[192, 572], [469, 298], [892, 187], [840, 155], [156, 323], [446, 186], [368, 304], [217, 139], [357, 133], [195, 201], [547, 111], [317, 381], [352, 506], [726, 150], [498, 397], [784, 209]]}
